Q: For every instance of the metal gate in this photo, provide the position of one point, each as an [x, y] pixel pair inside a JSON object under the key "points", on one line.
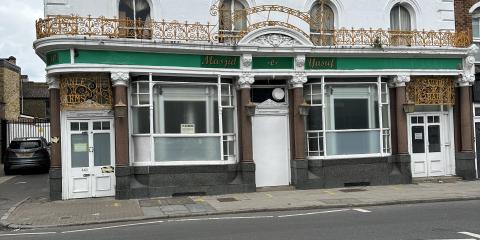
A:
{"points": [[11, 129]]}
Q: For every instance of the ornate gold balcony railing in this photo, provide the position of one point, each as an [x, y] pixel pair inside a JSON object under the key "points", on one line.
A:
{"points": [[196, 32]]}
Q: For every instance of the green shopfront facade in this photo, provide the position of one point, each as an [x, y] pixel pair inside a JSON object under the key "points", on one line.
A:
{"points": [[149, 119]]}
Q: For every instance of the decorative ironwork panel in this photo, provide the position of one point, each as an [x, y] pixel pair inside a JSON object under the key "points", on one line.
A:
{"points": [[86, 91], [431, 91], [184, 31]]}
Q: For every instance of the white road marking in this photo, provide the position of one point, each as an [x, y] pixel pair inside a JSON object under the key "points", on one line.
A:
{"points": [[20, 182], [313, 213], [219, 218], [455, 239], [471, 234], [361, 210], [110, 227], [23, 234]]}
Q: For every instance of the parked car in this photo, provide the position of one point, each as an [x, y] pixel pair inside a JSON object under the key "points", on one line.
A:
{"points": [[27, 153]]}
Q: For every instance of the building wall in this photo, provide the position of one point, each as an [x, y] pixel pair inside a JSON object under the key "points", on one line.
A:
{"points": [[35, 107], [10, 92], [428, 14], [463, 20]]}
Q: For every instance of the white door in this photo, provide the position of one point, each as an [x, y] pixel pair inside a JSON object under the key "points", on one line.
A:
{"points": [[271, 150], [427, 145], [91, 158]]}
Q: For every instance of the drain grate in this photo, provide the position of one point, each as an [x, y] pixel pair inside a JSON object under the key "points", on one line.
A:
{"points": [[352, 190], [228, 199]]}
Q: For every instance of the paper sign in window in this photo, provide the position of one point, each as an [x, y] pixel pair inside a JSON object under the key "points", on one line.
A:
{"points": [[187, 128], [80, 147], [418, 136]]}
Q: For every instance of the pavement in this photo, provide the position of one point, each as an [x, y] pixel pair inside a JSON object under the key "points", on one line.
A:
{"points": [[39, 212]]}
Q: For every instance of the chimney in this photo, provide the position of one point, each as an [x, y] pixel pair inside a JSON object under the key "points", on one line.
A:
{"points": [[12, 60]]}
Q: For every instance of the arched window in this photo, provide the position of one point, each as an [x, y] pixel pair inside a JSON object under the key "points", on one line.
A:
{"points": [[322, 24], [227, 21], [400, 26], [400, 19], [134, 16]]}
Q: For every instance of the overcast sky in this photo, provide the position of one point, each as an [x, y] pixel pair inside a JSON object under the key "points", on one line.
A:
{"points": [[17, 33]]}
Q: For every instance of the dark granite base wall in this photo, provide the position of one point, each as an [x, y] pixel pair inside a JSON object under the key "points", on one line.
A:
{"points": [[465, 165], [162, 181], [55, 182], [332, 173]]}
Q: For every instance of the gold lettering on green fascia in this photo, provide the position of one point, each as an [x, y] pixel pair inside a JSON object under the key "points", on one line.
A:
{"points": [[321, 63], [220, 61], [272, 62]]}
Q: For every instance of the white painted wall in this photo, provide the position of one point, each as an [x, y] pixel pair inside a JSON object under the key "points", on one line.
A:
{"points": [[427, 14]]}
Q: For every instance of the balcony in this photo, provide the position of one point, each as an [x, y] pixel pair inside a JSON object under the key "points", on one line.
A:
{"points": [[208, 33]]}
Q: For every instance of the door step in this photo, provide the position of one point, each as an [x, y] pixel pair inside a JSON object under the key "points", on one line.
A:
{"points": [[276, 189], [442, 179]]}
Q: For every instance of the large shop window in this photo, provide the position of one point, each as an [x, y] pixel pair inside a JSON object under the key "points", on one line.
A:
{"points": [[347, 119], [183, 122]]}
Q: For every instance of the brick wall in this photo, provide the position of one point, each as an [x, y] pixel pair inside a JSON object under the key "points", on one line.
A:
{"points": [[463, 21], [11, 90]]}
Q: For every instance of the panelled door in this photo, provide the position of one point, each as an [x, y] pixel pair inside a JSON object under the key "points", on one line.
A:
{"points": [[427, 145], [91, 152]]}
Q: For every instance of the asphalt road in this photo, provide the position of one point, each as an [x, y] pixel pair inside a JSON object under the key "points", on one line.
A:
{"points": [[16, 188], [452, 220]]}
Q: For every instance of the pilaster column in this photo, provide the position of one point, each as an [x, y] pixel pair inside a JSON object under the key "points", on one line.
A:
{"points": [[55, 173], [465, 107], [120, 85], [296, 84], [402, 131], [55, 132], [244, 82]]}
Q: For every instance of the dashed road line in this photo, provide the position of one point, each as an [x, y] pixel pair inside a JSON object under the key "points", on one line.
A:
{"points": [[110, 227], [313, 213], [24, 234], [471, 234], [361, 210]]}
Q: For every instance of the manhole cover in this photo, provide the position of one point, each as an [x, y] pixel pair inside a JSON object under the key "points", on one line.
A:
{"points": [[65, 217], [353, 190], [228, 199]]}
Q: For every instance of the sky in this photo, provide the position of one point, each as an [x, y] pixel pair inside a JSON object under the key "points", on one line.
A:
{"points": [[17, 33]]}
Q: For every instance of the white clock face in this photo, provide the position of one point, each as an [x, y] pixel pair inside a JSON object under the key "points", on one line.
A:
{"points": [[278, 94]]}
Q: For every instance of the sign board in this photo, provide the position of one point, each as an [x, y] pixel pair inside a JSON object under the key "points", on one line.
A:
{"points": [[418, 136], [314, 63], [80, 147], [272, 63], [187, 128], [214, 61]]}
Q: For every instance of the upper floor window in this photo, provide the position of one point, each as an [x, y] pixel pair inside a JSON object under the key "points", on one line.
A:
{"points": [[476, 23], [134, 16], [400, 19], [232, 16], [322, 24]]}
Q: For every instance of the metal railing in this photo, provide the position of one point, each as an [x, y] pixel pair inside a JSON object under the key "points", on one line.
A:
{"points": [[197, 32]]}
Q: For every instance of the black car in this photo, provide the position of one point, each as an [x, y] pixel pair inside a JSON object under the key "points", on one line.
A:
{"points": [[27, 153]]}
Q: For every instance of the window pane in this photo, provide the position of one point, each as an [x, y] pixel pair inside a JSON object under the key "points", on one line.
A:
{"points": [[141, 120], [74, 126], [228, 120], [102, 149], [79, 150], [476, 27], [314, 119], [434, 138], [187, 149], [345, 143], [351, 114], [418, 139], [385, 118], [97, 125], [183, 112]]}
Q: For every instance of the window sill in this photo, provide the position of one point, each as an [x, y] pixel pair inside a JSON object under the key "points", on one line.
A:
{"points": [[184, 163]]}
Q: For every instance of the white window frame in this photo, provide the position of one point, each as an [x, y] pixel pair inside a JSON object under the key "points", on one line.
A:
{"points": [[383, 151], [476, 16], [223, 137]]}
